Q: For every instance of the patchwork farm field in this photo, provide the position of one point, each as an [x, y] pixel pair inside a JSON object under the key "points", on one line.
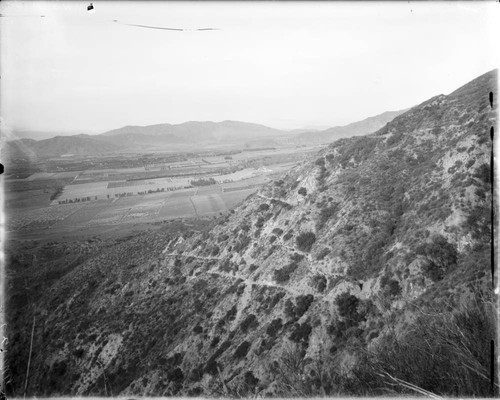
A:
{"points": [[231, 199], [27, 199], [253, 182], [98, 197], [43, 217], [177, 207], [110, 189], [84, 214], [155, 207], [208, 204]]}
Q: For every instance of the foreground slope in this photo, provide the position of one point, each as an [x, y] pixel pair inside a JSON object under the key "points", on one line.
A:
{"points": [[364, 271]]}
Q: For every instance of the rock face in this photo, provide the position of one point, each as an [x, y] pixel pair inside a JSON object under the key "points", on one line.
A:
{"points": [[356, 273]]}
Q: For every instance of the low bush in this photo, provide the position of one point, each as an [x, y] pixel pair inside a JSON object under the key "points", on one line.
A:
{"points": [[197, 329], [389, 286], [283, 274], [319, 282], [347, 306], [441, 257], [300, 333], [264, 207], [320, 162], [296, 310], [211, 367], [249, 322], [302, 304], [305, 241], [250, 380], [288, 235], [483, 173], [278, 231], [175, 375], [260, 222], [242, 350], [274, 327]]}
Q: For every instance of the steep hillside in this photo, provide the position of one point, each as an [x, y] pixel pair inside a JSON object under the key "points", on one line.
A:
{"points": [[359, 128], [58, 146], [18, 149], [365, 271]]}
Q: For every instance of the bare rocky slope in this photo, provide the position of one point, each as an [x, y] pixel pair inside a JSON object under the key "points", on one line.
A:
{"points": [[364, 271]]}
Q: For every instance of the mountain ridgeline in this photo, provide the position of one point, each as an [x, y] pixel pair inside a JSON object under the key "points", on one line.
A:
{"points": [[193, 135], [359, 128], [365, 271]]}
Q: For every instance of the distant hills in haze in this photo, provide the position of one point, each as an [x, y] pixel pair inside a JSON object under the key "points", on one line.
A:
{"points": [[187, 136], [359, 128], [193, 133], [41, 135]]}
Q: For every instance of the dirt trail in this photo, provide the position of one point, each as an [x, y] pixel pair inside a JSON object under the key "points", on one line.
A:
{"points": [[248, 281]]}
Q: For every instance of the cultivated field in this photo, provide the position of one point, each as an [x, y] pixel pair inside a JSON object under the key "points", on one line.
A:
{"points": [[155, 207], [156, 192], [108, 190]]}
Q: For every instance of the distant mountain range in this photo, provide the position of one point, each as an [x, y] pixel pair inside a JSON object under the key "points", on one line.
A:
{"points": [[187, 136], [41, 135], [359, 128]]}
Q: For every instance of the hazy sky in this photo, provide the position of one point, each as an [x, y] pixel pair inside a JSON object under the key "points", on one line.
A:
{"points": [[283, 64]]}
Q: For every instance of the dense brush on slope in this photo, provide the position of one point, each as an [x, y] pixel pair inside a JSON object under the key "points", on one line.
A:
{"points": [[365, 271]]}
